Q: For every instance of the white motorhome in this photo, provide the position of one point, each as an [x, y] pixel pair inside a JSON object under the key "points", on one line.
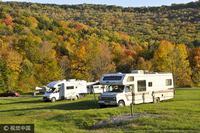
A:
{"points": [[136, 87], [70, 89]]}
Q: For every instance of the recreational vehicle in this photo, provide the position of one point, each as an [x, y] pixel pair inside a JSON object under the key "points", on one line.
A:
{"points": [[136, 87], [70, 89]]}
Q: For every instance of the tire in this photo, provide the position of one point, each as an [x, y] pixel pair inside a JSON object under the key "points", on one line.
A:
{"points": [[53, 99], [76, 98], [121, 103], [156, 100]]}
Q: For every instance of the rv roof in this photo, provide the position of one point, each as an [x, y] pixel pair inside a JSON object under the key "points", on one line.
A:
{"points": [[136, 74], [51, 84]]}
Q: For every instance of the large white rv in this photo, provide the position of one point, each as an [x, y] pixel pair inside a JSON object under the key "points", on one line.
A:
{"points": [[70, 89], [136, 87]]}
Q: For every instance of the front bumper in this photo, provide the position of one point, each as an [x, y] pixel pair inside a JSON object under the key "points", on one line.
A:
{"points": [[46, 99], [101, 102]]}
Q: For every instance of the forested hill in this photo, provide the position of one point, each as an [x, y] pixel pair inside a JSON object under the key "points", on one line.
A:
{"points": [[40, 43], [178, 23]]}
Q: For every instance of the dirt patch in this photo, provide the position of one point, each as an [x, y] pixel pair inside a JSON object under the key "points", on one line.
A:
{"points": [[122, 119]]}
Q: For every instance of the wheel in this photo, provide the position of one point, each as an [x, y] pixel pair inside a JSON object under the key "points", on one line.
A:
{"points": [[156, 100], [76, 98], [121, 103], [53, 99]]}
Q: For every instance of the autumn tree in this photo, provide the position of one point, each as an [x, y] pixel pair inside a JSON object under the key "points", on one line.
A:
{"points": [[182, 70], [124, 57], [12, 60], [102, 62], [195, 63], [4, 72], [143, 64], [8, 20], [47, 68], [163, 57], [173, 58]]}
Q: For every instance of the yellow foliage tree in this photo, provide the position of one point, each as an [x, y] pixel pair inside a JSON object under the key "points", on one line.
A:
{"points": [[173, 58]]}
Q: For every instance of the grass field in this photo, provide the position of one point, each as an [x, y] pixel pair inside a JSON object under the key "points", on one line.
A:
{"points": [[181, 113]]}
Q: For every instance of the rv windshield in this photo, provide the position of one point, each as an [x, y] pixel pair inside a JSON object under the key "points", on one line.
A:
{"points": [[116, 88], [51, 89]]}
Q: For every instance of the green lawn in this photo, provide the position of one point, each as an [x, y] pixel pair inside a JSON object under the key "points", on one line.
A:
{"points": [[181, 113]]}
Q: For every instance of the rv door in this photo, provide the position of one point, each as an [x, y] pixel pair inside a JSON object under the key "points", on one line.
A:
{"points": [[128, 93], [70, 91], [61, 88]]}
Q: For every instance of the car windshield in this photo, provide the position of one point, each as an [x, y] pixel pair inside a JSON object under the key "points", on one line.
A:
{"points": [[116, 88]]}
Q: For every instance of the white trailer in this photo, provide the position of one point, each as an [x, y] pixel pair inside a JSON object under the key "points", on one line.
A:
{"points": [[136, 87], [62, 89], [96, 87]]}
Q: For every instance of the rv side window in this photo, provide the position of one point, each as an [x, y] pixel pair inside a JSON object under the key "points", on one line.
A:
{"points": [[150, 84], [70, 87], [130, 78], [141, 85], [168, 82], [127, 89]]}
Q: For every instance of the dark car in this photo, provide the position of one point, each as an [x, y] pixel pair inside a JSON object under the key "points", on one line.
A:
{"points": [[9, 94]]}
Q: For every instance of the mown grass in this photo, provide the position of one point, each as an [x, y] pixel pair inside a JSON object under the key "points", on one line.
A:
{"points": [[181, 113]]}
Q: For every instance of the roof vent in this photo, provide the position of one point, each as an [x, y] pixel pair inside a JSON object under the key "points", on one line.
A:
{"points": [[72, 80], [138, 71]]}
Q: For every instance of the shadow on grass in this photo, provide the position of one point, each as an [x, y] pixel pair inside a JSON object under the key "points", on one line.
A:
{"points": [[24, 102], [79, 105]]}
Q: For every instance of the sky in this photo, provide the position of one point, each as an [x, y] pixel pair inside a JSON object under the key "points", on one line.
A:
{"points": [[124, 3]]}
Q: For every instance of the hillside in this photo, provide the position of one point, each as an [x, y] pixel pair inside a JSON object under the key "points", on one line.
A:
{"points": [[176, 23], [40, 43]]}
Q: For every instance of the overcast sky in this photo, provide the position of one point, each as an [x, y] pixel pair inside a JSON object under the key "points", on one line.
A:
{"points": [[125, 3]]}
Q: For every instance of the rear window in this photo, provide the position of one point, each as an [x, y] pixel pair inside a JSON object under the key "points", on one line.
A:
{"points": [[108, 78], [168, 82]]}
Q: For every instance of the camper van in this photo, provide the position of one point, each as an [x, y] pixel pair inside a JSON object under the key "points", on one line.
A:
{"points": [[136, 87], [65, 89]]}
